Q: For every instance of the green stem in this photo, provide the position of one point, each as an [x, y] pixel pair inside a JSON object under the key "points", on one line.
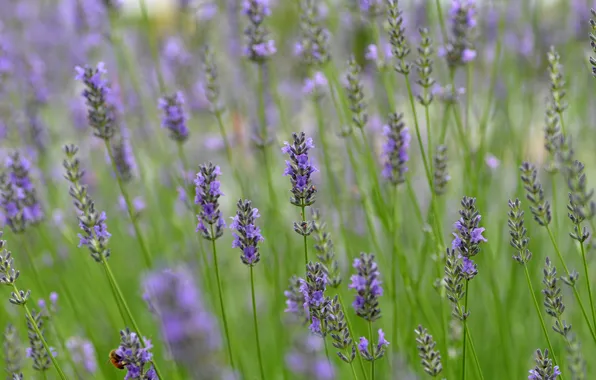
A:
{"points": [[304, 236], [254, 315], [228, 147], [129, 207], [17, 294], [152, 45], [221, 302], [353, 370], [394, 264], [581, 244], [351, 331], [537, 307], [119, 295], [463, 360], [474, 355], [371, 344]]}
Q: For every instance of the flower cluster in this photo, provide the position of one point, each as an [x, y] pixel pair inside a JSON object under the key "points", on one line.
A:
{"points": [[395, 149], [397, 37], [544, 369], [340, 333], [368, 287], [247, 235], [324, 248], [377, 351], [9, 275], [173, 116], [36, 349], [259, 48], [318, 306], [454, 278], [188, 328], [540, 208], [313, 46], [355, 92], [135, 356], [82, 353], [19, 202], [300, 168], [517, 231], [430, 358], [553, 299], [207, 196], [13, 351], [424, 67], [440, 175], [460, 49], [211, 87], [593, 40], [100, 113], [95, 233], [468, 236]]}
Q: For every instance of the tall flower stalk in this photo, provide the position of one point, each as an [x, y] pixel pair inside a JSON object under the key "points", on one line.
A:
{"points": [[211, 227], [95, 235], [101, 117], [247, 238]]}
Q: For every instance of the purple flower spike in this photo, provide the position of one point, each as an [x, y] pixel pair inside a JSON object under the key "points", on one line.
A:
{"points": [[299, 168], [174, 118], [318, 306], [378, 350], [468, 236], [136, 356], [395, 150], [211, 223], [368, 287], [100, 113], [258, 48], [248, 234]]}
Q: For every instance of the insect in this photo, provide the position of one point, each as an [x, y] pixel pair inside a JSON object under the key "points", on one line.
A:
{"points": [[116, 360]]}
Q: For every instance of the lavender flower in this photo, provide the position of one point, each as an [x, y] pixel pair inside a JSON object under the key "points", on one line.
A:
{"points": [[187, 327], [295, 300], [324, 248], [593, 40], [307, 359], [36, 350], [424, 67], [100, 113], [82, 353], [454, 279], [468, 236], [378, 350], [440, 176], [517, 231], [430, 358], [135, 356], [124, 159], [460, 48], [207, 196], [248, 234], [27, 200], [173, 117], [95, 233], [553, 300], [313, 46], [395, 149], [397, 38], [368, 287], [211, 87], [544, 369], [313, 290], [13, 351], [299, 168], [9, 275], [557, 82], [540, 207], [355, 91], [259, 48], [315, 85], [340, 333]]}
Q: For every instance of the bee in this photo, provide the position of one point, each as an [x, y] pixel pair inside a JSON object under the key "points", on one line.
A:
{"points": [[116, 360]]}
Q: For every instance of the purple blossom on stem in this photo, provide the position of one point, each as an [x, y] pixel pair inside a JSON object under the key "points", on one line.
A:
{"points": [[368, 287], [247, 235], [299, 168], [318, 306], [258, 48], [378, 351], [173, 116], [100, 114], [460, 49], [207, 196], [468, 236], [136, 356], [395, 149]]}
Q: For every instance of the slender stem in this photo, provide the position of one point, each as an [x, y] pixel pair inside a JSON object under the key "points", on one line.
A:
{"points": [[45, 375], [441, 21], [254, 315], [581, 244], [326, 350], [575, 292], [152, 45], [120, 295], [305, 242], [394, 263], [537, 307], [221, 302], [476, 361], [372, 362], [463, 360], [129, 207], [353, 370], [38, 332]]}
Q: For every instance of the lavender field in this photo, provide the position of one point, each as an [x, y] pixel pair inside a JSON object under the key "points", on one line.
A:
{"points": [[276, 189]]}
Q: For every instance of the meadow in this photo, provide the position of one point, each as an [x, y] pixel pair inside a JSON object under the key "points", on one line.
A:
{"points": [[272, 189]]}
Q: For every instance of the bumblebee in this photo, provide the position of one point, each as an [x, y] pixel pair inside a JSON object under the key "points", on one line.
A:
{"points": [[116, 360]]}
